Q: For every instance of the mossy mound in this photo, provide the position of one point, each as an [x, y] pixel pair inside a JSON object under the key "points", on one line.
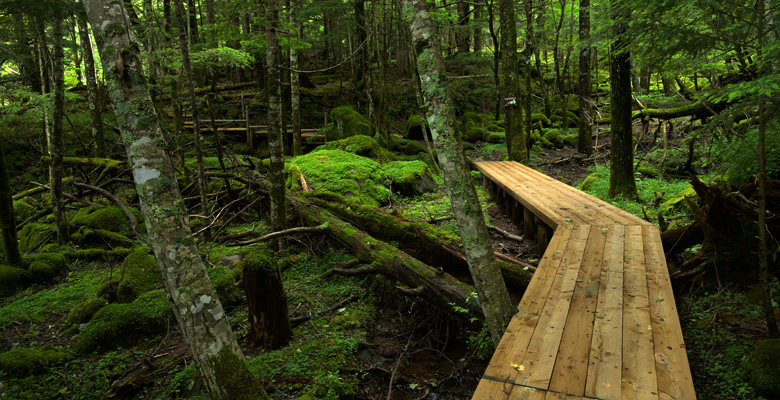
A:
{"points": [[554, 137], [414, 148], [224, 281], [101, 237], [357, 319], [124, 325], [539, 117], [352, 123], [763, 368], [495, 137], [23, 210], [349, 175], [572, 102], [83, 311], [410, 177], [12, 280], [33, 236], [415, 126], [139, 275], [25, 362], [473, 134], [361, 145], [46, 266], [570, 140], [572, 121], [587, 184]]}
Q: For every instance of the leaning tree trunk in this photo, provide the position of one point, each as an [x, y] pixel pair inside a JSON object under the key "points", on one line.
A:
{"points": [[201, 317], [621, 166], [7, 215], [278, 211], [95, 113], [585, 135], [515, 141], [460, 187], [56, 143]]}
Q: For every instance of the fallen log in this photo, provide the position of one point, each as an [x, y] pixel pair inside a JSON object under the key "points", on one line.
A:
{"points": [[91, 162]]}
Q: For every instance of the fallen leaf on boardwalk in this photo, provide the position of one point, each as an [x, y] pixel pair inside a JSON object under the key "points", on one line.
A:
{"points": [[518, 366]]}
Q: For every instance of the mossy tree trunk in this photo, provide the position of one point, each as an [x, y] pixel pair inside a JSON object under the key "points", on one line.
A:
{"points": [[295, 83], [7, 215], [185, 56], [278, 211], [269, 323], [95, 113], [528, 53], [621, 159], [56, 144], [457, 177], [585, 131], [513, 122], [201, 317]]}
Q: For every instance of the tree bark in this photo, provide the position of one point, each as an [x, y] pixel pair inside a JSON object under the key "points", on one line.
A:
{"points": [[513, 122], [7, 215], [269, 324], [462, 35], [585, 130], [295, 84], [201, 317], [185, 55], [621, 167], [460, 187], [95, 113], [56, 144]]}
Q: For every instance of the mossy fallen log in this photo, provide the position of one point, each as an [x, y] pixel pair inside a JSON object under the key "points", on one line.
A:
{"points": [[91, 162]]}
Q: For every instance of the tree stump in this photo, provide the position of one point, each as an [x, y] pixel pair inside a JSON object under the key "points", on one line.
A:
{"points": [[269, 324]]}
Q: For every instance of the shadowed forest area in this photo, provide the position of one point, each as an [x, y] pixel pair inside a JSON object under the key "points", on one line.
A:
{"points": [[250, 199]]}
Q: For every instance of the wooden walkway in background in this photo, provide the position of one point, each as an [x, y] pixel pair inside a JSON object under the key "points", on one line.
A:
{"points": [[598, 320]]}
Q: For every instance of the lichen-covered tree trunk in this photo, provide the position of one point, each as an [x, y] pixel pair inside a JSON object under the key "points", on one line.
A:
{"points": [[278, 210], [185, 56], [56, 144], [621, 159], [96, 115], [201, 317], [585, 135], [295, 84], [457, 177], [7, 215], [513, 123]]}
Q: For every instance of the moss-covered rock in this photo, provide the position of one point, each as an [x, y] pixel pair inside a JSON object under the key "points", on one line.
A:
{"points": [[83, 311], [554, 137], [414, 147], [361, 145], [109, 218], [539, 117], [349, 175], [410, 177], [12, 280], [352, 123], [123, 325], [473, 134], [572, 102], [101, 237], [33, 236], [763, 367], [495, 137], [23, 210], [587, 184], [224, 281], [570, 140], [415, 126], [30, 361], [139, 275]]}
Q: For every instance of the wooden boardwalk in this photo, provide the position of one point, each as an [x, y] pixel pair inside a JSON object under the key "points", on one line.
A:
{"points": [[598, 320]]}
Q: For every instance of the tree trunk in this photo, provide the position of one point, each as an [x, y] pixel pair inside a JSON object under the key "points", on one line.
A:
{"points": [[278, 211], [460, 186], [192, 20], [201, 317], [295, 84], [56, 144], [95, 113], [269, 324], [513, 122], [621, 167], [7, 215], [462, 35], [585, 130], [477, 27], [528, 54], [185, 55], [361, 36]]}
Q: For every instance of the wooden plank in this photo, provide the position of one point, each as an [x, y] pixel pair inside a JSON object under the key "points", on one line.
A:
{"points": [[671, 360], [638, 377], [605, 359], [494, 390], [571, 367], [540, 358], [513, 345], [561, 396]]}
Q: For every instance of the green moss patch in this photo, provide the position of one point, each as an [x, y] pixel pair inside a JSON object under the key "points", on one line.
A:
{"points": [[349, 175], [473, 134], [763, 366], [410, 177], [139, 275], [351, 122], [30, 361], [361, 145], [83, 311], [124, 325], [101, 237], [46, 266], [495, 137], [224, 281], [12, 280], [415, 126], [554, 137], [33, 236], [23, 210]]}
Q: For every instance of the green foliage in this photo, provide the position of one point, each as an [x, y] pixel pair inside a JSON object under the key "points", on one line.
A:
{"points": [[29, 361], [122, 325], [739, 156], [221, 57]]}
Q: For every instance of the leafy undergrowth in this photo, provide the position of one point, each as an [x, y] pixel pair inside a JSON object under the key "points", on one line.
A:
{"points": [[720, 329]]}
